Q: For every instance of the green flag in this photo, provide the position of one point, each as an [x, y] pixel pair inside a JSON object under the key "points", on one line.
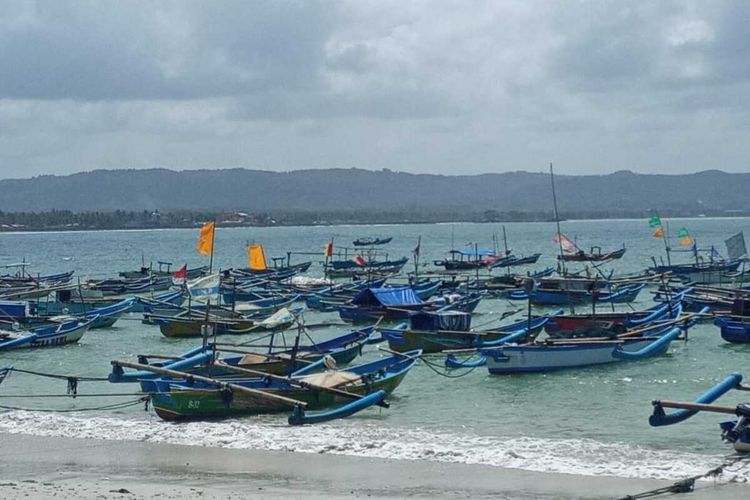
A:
{"points": [[683, 233], [654, 221]]}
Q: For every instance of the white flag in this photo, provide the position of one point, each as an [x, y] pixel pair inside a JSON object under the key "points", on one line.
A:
{"points": [[205, 288], [736, 246]]}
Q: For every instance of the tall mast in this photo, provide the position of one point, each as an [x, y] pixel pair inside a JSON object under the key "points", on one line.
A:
{"points": [[557, 216]]}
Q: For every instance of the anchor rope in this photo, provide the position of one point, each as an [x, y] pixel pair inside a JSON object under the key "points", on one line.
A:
{"points": [[60, 377], [114, 406], [688, 484], [94, 395], [443, 373]]}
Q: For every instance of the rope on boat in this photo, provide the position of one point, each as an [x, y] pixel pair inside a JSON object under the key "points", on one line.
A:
{"points": [[114, 406], [95, 395], [71, 379], [60, 377], [444, 373], [688, 484]]}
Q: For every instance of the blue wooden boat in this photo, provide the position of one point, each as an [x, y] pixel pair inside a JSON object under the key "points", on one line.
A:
{"points": [[468, 259], [701, 272], [163, 270], [554, 354], [734, 330], [437, 332], [595, 255], [611, 323], [735, 431], [106, 315], [279, 360], [512, 260], [192, 326], [349, 268], [146, 304], [332, 302], [369, 242], [346, 391], [562, 297], [46, 336], [543, 357], [397, 303]]}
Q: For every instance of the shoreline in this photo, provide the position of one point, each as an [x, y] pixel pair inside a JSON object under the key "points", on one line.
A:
{"points": [[53, 230], [54, 467]]}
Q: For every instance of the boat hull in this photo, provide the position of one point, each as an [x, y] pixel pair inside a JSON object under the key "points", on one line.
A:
{"points": [[542, 358], [195, 404]]}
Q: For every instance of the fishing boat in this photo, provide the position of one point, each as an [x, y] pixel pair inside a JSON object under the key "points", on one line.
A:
{"points": [[606, 323], [205, 398], [736, 431], [467, 259], [67, 332], [549, 356], [566, 291], [332, 302], [192, 326], [368, 268], [369, 242], [372, 304], [278, 359], [512, 260], [447, 330], [701, 272], [164, 269], [595, 255], [106, 316]]}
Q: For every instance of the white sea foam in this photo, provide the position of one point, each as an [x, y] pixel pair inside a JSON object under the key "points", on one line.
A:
{"points": [[361, 438]]}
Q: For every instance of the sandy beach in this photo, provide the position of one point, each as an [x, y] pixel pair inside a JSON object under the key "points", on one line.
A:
{"points": [[46, 468]]}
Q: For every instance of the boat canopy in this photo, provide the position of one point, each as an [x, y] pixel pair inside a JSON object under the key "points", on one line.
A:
{"points": [[401, 296], [444, 320]]}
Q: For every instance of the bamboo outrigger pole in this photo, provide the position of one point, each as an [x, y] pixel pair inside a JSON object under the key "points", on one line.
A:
{"points": [[208, 380]]}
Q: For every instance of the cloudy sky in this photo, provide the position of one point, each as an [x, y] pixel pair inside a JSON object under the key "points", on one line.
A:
{"points": [[444, 86]]}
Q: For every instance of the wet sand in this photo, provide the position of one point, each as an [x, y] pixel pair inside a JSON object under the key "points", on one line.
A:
{"points": [[55, 468]]}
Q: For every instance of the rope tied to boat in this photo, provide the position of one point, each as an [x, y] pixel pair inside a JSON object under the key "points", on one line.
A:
{"points": [[444, 373], [58, 376], [688, 484], [113, 406], [72, 386]]}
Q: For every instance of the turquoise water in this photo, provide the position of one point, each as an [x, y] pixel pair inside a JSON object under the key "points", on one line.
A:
{"points": [[591, 420]]}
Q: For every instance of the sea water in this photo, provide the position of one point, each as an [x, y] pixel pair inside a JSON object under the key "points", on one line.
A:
{"points": [[585, 421]]}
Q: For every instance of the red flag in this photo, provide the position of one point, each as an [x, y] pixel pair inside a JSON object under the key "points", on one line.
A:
{"points": [[328, 250], [417, 248], [567, 245], [179, 276], [360, 261]]}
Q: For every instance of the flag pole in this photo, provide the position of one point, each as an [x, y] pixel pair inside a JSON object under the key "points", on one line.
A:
{"points": [[416, 259], [213, 242]]}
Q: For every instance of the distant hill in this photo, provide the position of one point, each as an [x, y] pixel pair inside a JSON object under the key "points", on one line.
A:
{"points": [[710, 192]]}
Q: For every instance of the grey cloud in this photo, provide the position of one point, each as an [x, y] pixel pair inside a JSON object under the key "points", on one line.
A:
{"points": [[448, 86]]}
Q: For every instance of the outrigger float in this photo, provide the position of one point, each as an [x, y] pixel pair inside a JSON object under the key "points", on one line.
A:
{"points": [[736, 431]]}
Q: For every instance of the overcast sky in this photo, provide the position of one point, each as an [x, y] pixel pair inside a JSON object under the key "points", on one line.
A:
{"points": [[443, 87]]}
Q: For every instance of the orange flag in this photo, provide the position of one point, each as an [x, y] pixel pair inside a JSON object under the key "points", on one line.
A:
{"points": [[659, 233], [206, 240], [256, 257]]}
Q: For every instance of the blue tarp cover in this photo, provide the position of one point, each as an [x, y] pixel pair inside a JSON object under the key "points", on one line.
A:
{"points": [[387, 297]]}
